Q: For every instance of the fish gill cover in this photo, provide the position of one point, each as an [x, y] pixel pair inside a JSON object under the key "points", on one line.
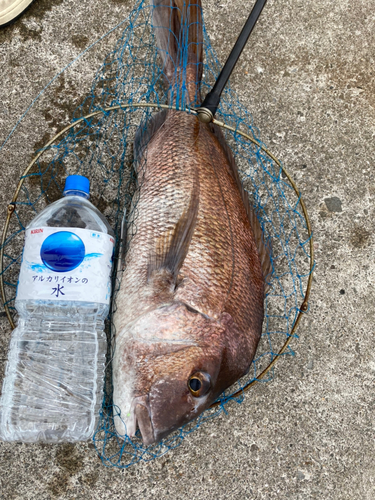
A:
{"points": [[101, 148]]}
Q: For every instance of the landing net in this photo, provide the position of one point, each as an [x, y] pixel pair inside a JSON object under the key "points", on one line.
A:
{"points": [[101, 147]]}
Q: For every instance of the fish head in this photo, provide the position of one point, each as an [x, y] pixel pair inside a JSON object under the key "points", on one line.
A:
{"points": [[182, 389], [180, 361]]}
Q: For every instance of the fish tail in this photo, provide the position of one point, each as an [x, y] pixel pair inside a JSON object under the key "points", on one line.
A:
{"points": [[178, 27]]}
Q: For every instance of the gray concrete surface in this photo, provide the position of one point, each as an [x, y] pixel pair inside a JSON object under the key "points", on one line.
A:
{"points": [[307, 76]]}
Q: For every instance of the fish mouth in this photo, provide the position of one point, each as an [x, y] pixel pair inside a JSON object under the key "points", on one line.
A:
{"points": [[142, 420], [144, 423]]}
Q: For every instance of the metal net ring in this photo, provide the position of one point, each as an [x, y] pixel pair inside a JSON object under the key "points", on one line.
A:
{"points": [[304, 305]]}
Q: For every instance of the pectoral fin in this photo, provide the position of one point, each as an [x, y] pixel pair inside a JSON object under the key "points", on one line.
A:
{"points": [[172, 248]]}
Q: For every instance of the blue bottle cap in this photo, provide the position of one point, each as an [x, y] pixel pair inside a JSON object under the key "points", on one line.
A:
{"points": [[77, 183]]}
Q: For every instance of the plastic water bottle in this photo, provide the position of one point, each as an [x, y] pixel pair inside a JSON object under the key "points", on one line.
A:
{"points": [[53, 385]]}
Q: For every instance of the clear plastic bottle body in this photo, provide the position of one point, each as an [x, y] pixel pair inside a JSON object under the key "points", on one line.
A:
{"points": [[53, 385]]}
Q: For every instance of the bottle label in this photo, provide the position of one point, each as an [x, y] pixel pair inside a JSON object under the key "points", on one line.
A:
{"points": [[66, 264]]}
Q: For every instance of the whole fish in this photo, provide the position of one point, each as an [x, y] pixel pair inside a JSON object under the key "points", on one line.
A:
{"points": [[189, 311]]}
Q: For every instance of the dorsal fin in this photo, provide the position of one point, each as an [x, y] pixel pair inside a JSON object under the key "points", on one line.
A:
{"points": [[264, 249], [173, 248]]}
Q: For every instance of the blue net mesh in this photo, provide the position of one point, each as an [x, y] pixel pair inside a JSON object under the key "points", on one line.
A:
{"points": [[101, 147]]}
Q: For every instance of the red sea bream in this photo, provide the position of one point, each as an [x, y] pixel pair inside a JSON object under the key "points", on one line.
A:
{"points": [[189, 311]]}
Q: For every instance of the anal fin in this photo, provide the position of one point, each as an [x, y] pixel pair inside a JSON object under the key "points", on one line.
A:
{"points": [[145, 133]]}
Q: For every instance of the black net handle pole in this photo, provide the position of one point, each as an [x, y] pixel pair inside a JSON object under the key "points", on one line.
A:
{"points": [[207, 110]]}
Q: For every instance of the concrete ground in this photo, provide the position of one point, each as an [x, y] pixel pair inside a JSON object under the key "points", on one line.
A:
{"points": [[308, 78]]}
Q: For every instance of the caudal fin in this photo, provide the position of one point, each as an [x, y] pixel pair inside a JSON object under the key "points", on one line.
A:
{"points": [[178, 27]]}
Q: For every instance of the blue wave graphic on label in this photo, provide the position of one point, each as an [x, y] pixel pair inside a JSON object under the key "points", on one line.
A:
{"points": [[90, 256], [62, 251], [40, 268], [36, 268]]}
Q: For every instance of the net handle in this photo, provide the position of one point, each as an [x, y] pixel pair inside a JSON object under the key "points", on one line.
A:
{"points": [[208, 108], [11, 208]]}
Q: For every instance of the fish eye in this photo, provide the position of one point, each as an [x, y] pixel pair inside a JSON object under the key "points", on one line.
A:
{"points": [[199, 384], [195, 384]]}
